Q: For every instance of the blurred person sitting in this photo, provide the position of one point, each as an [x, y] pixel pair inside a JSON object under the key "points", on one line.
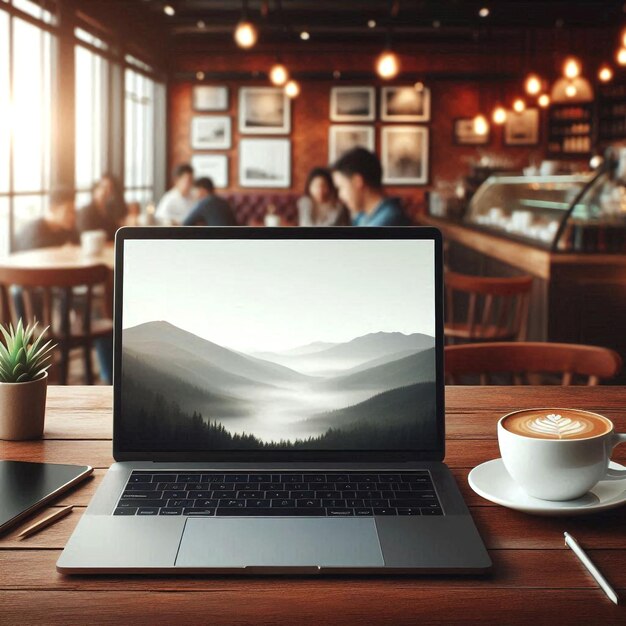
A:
{"points": [[114, 197], [320, 205], [358, 177], [211, 209], [178, 201], [57, 227], [99, 214]]}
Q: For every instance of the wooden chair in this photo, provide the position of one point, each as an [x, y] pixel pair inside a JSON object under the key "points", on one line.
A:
{"points": [[497, 308], [62, 298], [523, 358]]}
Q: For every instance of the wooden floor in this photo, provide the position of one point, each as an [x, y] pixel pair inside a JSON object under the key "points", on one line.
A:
{"points": [[535, 579]]}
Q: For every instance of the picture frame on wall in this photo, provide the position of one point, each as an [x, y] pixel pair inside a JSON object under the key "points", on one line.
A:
{"points": [[463, 133], [209, 98], [404, 155], [352, 104], [405, 104], [210, 132], [213, 166], [522, 129], [265, 163], [264, 111], [344, 137]]}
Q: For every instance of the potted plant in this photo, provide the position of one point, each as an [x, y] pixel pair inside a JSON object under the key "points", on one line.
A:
{"points": [[24, 363]]}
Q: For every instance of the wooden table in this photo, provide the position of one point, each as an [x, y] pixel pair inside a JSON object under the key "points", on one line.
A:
{"points": [[535, 578]]}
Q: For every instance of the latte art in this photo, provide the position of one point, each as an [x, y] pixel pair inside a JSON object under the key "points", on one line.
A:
{"points": [[559, 424]]}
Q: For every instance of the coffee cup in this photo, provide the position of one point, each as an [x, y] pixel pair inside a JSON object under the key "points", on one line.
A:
{"points": [[92, 242], [558, 454]]}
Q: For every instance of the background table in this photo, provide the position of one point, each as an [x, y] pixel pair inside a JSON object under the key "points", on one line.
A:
{"points": [[535, 578]]}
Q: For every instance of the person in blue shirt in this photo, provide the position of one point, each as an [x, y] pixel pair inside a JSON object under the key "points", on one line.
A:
{"points": [[211, 210], [358, 178]]}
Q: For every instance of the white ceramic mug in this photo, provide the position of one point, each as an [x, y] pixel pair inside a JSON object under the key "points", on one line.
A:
{"points": [[559, 469], [92, 242]]}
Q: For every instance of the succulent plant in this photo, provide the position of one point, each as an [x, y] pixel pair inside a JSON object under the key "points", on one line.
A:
{"points": [[22, 358]]}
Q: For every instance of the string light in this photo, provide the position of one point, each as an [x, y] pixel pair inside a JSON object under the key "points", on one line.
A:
{"points": [[305, 36], [387, 65], [484, 12], [605, 74], [481, 125], [292, 89], [571, 68], [246, 34], [371, 23], [499, 115], [519, 105], [544, 100], [533, 84], [621, 56], [279, 75], [168, 9]]}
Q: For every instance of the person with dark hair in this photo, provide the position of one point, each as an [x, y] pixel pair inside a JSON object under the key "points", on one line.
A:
{"points": [[114, 196], [358, 177], [320, 205], [211, 210], [178, 201], [99, 213], [57, 226]]}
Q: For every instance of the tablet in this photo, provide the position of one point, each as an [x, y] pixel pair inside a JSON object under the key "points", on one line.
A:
{"points": [[25, 487]]}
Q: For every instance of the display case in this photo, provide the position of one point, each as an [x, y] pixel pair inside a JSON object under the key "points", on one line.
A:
{"points": [[575, 213]]}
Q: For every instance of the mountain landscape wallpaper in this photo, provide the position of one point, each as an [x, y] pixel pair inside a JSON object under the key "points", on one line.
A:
{"points": [[211, 385]]}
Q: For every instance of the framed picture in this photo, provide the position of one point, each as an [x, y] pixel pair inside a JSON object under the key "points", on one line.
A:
{"points": [[405, 104], [352, 104], [405, 155], [522, 129], [344, 137], [264, 111], [265, 163], [464, 134], [210, 132], [214, 166], [209, 98]]}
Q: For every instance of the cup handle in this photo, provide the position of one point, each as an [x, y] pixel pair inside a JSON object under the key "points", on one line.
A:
{"points": [[614, 474]]}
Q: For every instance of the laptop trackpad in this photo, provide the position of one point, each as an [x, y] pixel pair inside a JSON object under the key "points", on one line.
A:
{"points": [[279, 542]]}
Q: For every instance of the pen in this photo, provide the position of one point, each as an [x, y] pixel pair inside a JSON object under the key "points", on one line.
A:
{"points": [[46, 521], [590, 567]]}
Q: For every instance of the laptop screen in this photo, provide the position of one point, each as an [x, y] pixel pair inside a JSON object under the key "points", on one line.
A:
{"points": [[277, 344]]}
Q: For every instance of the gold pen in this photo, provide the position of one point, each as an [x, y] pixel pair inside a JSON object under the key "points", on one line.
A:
{"points": [[46, 521]]}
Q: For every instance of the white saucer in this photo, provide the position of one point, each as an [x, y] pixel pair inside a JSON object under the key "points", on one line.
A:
{"points": [[491, 481]]}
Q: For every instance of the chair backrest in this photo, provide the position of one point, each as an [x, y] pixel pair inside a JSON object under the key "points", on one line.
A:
{"points": [[494, 308], [523, 358], [47, 294]]}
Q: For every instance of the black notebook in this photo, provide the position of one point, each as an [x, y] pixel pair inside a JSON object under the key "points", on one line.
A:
{"points": [[25, 487]]}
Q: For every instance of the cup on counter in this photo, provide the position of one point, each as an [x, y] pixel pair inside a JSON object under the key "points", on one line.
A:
{"points": [[92, 242]]}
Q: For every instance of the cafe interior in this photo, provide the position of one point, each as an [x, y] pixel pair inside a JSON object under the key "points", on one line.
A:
{"points": [[500, 122]]}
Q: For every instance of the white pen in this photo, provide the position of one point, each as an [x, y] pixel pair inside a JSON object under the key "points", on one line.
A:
{"points": [[591, 568]]}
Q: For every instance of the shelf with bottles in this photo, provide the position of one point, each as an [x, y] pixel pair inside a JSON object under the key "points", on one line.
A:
{"points": [[570, 129]]}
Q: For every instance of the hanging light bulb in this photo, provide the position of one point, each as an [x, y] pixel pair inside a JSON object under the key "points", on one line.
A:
{"points": [[532, 84], [246, 34], [499, 115], [571, 91], [544, 100], [481, 125], [519, 105], [292, 89], [605, 74], [571, 68], [621, 56], [279, 75], [388, 64]]}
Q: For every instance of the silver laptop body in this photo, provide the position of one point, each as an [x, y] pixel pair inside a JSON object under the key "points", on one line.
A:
{"points": [[301, 370]]}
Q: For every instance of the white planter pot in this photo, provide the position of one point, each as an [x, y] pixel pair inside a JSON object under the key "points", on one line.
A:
{"points": [[22, 409]]}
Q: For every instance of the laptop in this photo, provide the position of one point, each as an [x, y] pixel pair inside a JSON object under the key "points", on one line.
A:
{"points": [[278, 408]]}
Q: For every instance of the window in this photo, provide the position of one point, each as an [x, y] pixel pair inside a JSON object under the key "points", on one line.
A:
{"points": [[144, 121], [25, 120], [91, 120]]}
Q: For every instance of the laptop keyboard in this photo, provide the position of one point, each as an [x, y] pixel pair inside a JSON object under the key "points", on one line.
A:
{"points": [[264, 494]]}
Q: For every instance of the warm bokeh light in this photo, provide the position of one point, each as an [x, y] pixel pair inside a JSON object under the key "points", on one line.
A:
{"points": [[544, 100], [387, 65], [481, 125], [571, 91], [246, 34], [371, 23], [168, 9], [532, 84], [418, 86], [605, 74], [484, 12], [499, 115], [292, 89], [571, 68], [200, 75], [279, 75], [305, 36], [621, 56], [519, 105]]}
